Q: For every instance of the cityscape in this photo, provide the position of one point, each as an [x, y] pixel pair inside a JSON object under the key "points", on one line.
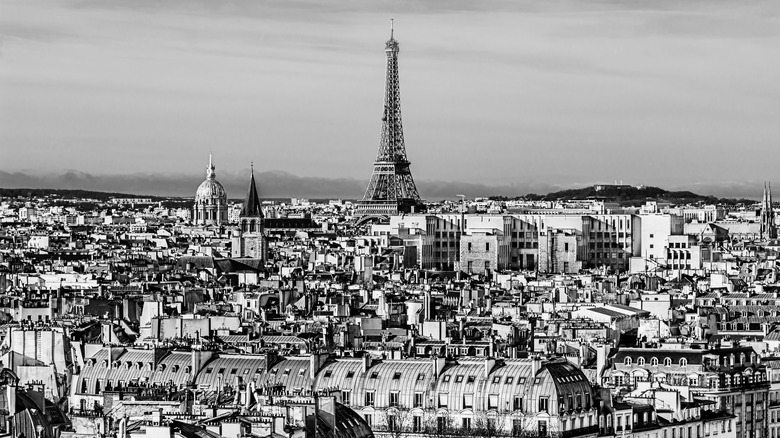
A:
{"points": [[616, 310]]}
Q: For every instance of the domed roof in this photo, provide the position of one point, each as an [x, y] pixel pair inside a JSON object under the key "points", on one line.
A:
{"points": [[210, 188]]}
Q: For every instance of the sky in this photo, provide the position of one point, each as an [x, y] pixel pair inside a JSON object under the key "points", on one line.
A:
{"points": [[498, 97]]}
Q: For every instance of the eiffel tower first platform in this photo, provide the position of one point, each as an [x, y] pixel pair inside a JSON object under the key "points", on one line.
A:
{"points": [[391, 189]]}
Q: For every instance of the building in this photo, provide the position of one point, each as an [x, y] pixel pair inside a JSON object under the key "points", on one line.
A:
{"points": [[211, 206], [249, 239]]}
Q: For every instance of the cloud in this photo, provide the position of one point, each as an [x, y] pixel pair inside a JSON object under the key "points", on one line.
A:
{"points": [[278, 184]]}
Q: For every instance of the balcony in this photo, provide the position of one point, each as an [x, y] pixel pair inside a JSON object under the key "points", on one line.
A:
{"points": [[590, 430]]}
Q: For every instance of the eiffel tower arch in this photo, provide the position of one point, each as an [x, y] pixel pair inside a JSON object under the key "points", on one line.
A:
{"points": [[391, 189]]}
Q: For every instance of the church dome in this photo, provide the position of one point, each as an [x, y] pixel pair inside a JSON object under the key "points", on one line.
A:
{"points": [[211, 191], [210, 200]]}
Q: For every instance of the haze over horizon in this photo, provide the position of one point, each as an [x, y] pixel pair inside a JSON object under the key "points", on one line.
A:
{"points": [[498, 98]]}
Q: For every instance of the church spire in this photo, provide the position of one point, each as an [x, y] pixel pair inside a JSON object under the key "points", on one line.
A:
{"points": [[210, 173], [252, 202]]}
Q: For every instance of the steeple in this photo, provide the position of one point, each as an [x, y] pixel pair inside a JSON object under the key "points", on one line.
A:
{"points": [[768, 227], [252, 202], [210, 173]]}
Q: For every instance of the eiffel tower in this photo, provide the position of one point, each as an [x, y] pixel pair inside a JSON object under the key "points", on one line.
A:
{"points": [[391, 189]]}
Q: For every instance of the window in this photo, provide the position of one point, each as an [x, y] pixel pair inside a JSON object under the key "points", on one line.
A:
{"points": [[509, 380], [350, 374], [418, 399], [493, 401], [443, 399], [459, 378], [446, 378], [627, 361], [667, 362], [468, 401], [496, 379], [345, 397], [369, 420], [209, 370], [537, 380], [375, 375], [221, 371], [397, 376], [471, 379], [421, 376], [466, 423], [327, 374], [518, 403], [469, 246], [370, 398], [286, 372], [487, 246], [393, 398], [544, 403], [654, 361], [683, 362], [416, 423], [566, 247], [640, 361], [234, 371]]}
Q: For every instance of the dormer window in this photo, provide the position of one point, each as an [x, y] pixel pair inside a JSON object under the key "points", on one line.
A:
{"points": [[683, 362], [397, 376], [667, 362], [654, 361], [175, 369], [640, 361], [627, 361], [374, 375], [327, 374]]}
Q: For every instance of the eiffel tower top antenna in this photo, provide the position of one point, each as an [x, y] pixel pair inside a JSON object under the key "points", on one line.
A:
{"points": [[391, 28]]}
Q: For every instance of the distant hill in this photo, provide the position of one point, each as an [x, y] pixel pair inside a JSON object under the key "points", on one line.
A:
{"points": [[69, 193], [633, 195]]}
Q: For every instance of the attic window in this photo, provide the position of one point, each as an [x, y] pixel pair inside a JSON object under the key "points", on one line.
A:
{"points": [[471, 379], [459, 378], [234, 371], [286, 372], [496, 379], [375, 375], [350, 374], [209, 370], [521, 380], [509, 380], [246, 371], [259, 370], [175, 369], [301, 372], [221, 371], [537, 380], [446, 378], [397, 376]]}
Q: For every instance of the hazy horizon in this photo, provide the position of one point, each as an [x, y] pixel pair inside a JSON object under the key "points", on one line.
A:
{"points": [[497, 96]]}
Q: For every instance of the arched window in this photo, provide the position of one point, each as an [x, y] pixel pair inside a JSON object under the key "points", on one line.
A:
{"points": [[683, 362], [627, 361], [640, 361], [667, 362], [654, 361]]}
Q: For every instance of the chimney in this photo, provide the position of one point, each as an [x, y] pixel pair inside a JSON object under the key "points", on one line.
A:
{"points": [[366, 362], [438, 366], [427, 304], [536, 365], [489, 364]]}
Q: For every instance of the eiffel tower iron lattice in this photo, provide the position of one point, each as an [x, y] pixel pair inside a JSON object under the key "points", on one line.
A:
{"points": [[391, 189]]}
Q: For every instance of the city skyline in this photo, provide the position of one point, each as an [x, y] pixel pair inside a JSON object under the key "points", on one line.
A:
{"points": [[516, 98]]}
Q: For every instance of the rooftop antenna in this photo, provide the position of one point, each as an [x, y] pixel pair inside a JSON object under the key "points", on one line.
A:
{"points": [[391, 28]]}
